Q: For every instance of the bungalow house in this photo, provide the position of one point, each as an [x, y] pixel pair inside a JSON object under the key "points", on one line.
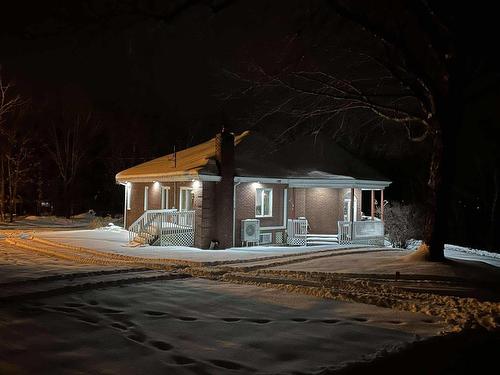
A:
{"points": [[235, 190]]}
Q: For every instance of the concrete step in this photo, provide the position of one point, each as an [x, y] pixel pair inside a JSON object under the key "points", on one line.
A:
{"points": [[322, 235]]}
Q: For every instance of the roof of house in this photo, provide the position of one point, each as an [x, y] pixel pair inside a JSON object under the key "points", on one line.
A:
{"points": [[190, 162], [308, 161]]}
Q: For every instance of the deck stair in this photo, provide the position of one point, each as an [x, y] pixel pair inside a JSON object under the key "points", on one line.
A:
{"points": [[322, 239], [166, 227]]}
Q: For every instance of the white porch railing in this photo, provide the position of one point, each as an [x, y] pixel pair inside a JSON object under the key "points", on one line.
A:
{"points": [[164, 228], [369, 232], [296, 232]]}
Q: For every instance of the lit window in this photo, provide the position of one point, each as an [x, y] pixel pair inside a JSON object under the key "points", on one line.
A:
{"points": [[146, 197], [263, 202], [164, 197], [128, 195], [186, 199]]}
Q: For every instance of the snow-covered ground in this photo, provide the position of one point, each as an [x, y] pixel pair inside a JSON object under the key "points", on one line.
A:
{"points": [[80, 221], [241, 310], [198, 326], [115, 239], [465, 253]]}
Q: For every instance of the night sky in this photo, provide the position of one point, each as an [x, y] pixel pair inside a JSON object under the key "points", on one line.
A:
{"points": [[159, 74]]}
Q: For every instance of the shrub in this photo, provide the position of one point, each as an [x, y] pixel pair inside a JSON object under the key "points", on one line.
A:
{"points": [[99, 222], [403, 222]]}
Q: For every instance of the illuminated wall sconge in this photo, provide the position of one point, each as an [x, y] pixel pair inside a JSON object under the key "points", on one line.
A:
{"points": [[196, 184], [256, 185]]}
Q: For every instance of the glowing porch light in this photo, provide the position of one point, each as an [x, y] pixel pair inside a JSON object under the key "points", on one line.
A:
{"points": [[256, 185], [196, 184]]}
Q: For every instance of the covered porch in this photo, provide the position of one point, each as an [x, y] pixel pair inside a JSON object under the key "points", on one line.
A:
{"points": [[322, 213]]}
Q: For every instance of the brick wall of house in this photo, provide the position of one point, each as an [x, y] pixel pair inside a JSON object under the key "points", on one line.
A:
{"points": [[322, 210], [296, 203], [245, 206], [205, 216], [322, 207]]}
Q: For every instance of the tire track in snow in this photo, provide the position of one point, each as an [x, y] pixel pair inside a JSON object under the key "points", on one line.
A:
{"points": [[85, 281]]}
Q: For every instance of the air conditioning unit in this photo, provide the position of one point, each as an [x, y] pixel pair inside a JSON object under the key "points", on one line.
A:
{"points": [[250, 230]]}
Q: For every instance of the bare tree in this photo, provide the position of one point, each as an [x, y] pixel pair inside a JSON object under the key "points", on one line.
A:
{"points": [[9, 102], [68, 147], [19, 165]]}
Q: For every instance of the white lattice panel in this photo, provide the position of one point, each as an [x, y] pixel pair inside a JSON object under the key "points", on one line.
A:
{"points": [[178, 239]]}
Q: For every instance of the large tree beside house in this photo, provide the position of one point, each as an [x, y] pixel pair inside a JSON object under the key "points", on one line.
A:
{"points": [[406, 72]]}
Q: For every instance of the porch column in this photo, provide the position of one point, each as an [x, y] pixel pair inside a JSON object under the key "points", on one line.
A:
{"points": [[352, 205], [372, 208], [352, 212], [382, 204]]}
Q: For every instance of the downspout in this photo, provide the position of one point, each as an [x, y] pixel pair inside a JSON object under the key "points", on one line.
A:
{"points": [[234, 212]]}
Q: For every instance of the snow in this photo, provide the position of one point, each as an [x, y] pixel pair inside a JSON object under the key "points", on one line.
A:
{"points": [[56, 222], [189, 162], [114, 240], [198, 326], [465, 253], [242, 310]]}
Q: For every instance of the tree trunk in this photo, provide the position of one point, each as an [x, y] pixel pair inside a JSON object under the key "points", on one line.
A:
{"points": [[442, 171], [434, 228], [67, 201]]}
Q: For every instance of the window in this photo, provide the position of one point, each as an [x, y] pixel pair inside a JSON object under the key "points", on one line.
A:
{"points": [[146, 197], [347, 207], [186, 199], [265, 238], [128, 195], [164, 197], [263, 202]]}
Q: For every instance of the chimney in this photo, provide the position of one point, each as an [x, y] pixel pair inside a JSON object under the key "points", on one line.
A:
{"points": [[224, 155]]}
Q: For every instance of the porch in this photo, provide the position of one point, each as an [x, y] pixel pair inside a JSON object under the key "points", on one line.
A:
{"points": [[167, 227], [365, 232], [322, 215]]}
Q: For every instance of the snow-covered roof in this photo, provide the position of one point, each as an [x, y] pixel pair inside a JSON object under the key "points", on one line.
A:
{"points": [[189, 163], [306, 161]]}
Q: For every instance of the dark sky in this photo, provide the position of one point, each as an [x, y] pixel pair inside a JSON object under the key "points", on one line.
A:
{"points": [[163, 74]]}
